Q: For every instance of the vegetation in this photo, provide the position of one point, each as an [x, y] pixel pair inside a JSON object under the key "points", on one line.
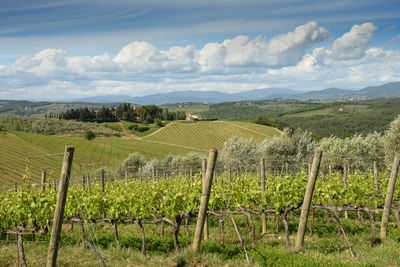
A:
{"points": [[89, 135], [20, 153], [51, 126], [339, 118], [125, 111], [204, 135], [176, 198]]}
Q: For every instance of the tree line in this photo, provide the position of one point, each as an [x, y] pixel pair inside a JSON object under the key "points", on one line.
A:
{"points": [[125, 111]]}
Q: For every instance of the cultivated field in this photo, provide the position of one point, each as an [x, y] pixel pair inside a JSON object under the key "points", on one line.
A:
{"points": [[25, 154]]}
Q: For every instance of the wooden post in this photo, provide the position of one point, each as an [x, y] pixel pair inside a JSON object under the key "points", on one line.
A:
{"points": [[205, 197], [43, 179], [59, 211], [83, 181], [305, 209], [203, 168], [126, 177], [88, 182], [21, 252], [205, 229], [346, 213], [262, 182], [376, 175], [153, 173], [389, 195], [102, 180]]}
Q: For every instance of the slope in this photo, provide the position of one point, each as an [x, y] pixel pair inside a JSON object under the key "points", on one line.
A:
{"points": [[25, 154]]}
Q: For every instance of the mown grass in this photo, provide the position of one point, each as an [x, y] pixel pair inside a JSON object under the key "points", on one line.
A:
{"points": [[324, 248]]}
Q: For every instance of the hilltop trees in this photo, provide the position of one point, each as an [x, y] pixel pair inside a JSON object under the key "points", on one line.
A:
{"points": [[125, 111]]}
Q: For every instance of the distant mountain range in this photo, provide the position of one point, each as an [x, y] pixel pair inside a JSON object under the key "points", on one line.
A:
{"points": [[388, 90]]}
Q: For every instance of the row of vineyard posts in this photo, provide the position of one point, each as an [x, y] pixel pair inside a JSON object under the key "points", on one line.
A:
{"points": [[201, 229]]}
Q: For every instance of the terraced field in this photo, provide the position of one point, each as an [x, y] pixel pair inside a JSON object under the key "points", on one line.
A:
{"points": [[25, 154]]}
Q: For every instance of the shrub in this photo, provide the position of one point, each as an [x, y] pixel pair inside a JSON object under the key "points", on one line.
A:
{"points": [[89, 135], [143, 128], [158, 122], [133, 127]]}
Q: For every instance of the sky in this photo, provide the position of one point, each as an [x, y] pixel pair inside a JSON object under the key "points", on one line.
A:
{"points": [[62, 50]]}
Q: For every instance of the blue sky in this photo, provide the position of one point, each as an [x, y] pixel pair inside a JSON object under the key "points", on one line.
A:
{"points": [[69, 49]]}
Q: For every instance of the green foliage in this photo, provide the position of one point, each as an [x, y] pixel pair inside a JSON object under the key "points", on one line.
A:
{"points": [[392, 140], [291, 148], [132, 164], [263, 120], [133, 127], [143, 128], [239, 153], [158, 122], [89, 135], [51, 126]]}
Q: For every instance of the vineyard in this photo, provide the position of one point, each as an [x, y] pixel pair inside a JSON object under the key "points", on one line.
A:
{"points": [[19, 150], [175, 201], [204, 135]]}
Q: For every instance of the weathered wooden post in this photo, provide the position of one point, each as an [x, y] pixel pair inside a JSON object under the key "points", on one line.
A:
{"points": [[83, 181], [126, 177], [389, 195], [21, 252], [102, 180], [376, 175], [203, 168], [262, 181], [205, 197], [43, 179], [59, 211], [346, 213], [88, 182], [305, 209]]}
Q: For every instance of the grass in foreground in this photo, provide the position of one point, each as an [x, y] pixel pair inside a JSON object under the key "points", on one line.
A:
{"points": [[324, 248]]}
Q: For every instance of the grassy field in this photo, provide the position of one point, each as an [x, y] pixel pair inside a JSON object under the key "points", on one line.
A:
{"points": [[25, 154]]}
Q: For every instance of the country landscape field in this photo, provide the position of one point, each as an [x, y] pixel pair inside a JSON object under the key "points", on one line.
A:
{"points": [[199, 133]]}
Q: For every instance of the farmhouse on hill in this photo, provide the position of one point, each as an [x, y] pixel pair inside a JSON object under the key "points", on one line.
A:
{"points": [[193, 117]]}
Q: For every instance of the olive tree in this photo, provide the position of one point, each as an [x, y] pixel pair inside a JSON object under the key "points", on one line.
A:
{"points": [[132, 164], [240, 153], [391, 140], [290, 149]]}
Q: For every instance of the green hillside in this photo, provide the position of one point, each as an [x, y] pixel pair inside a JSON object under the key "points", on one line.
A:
{"points": [[203, 135], [25, 154]]}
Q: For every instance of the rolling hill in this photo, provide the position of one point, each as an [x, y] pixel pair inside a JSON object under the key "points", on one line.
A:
{"points": [[388, 90], [25, 154]]}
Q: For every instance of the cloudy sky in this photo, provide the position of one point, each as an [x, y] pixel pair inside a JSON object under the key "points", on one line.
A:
{"points": [[76, 48]]}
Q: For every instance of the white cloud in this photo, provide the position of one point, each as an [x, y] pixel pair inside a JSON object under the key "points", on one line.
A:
{"points": [[282, 50], [241, 63]]}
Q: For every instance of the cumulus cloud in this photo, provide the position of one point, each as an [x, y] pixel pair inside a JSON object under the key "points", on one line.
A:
{"points": [[282, 50], [292, 59]]}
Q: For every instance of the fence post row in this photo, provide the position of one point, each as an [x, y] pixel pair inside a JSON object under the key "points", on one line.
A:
{"points": [[59, 211]]}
